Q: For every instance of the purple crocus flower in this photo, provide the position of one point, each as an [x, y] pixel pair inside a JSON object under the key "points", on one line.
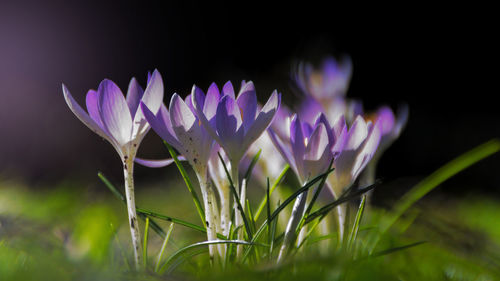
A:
{"points": [[181, 128], [235, 125], [360, 145], [330, 80], [391, 127], [309, 150], [116, 119], [324, 88]]}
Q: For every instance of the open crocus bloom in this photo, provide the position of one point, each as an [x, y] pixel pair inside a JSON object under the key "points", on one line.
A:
{"points": [[116, 118], [360, 145], [236, 123]]}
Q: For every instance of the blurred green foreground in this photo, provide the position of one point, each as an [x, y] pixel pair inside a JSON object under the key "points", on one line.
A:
{"points": [[73, 232]]}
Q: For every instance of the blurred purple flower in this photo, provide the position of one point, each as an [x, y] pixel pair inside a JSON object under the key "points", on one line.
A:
{"points": [[391, 127], [330, 80]]}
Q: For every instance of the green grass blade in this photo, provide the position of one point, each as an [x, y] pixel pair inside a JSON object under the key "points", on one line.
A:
{"points": [[187, 180], [182, 251], [348, 196], [145, 245], [429, 183], [317, 192], [355, 227], [238, 203], [285, 203], [248, 173], [250, 215], [396, 249], [276, 183], [164, 246]]}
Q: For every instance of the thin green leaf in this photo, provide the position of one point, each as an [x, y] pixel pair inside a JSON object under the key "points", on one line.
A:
{"points": [[189, 185], [429, 183], [348, 196], [287, 201], [276, 183], [238, 203], [248, 173], [145, 245], [396, 249], [355, 227], [196, 245], [164, 246]]}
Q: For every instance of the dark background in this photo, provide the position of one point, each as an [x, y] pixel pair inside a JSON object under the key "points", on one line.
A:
{"points": [[437, 59]]}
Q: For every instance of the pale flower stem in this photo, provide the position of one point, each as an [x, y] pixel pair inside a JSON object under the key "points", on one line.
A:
{"points": [[243, 198], [293, 222], [208, 200], [226, 211], [237, 215], [128, 171], [341, 213]]}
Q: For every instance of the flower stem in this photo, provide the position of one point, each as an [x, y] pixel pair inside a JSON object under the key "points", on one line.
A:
{"points": [[210, 217], [128, 172], [237, 215], [293, 222]]}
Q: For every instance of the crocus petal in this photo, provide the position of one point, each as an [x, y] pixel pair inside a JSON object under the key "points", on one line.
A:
{"points": [[387, 120], [357, 134], [91, 100], [297, 142], [114, 111], [228, 118], [180, 113], [228, 90], [247, 102], [160, 163], [368, 150], [317, 144], [208, 124], [263, 120], [211, 101], [134, 96], [83, 116], [197, 146], [161, 124], [283, 149], [153, 95]]}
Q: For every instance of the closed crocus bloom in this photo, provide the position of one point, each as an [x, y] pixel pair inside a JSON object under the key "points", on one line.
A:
{"points": [[327, 82], [180, 127], [309, 150], [360, 145], [116, 119]]}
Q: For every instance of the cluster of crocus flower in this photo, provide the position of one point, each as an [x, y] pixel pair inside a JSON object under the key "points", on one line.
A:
{"points": [[224, 126]]}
